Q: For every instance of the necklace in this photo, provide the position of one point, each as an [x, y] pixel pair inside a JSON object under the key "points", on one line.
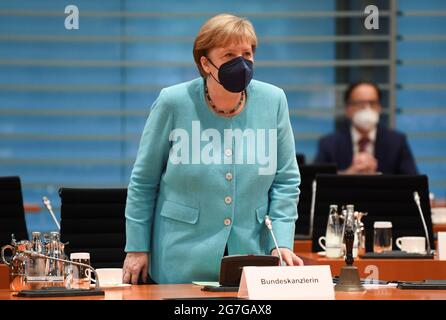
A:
{"points": [[219, 110]]}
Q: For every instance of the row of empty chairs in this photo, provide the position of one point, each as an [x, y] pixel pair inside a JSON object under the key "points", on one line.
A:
{"points": [[308, 173], [93, 219], [383, 197], [12, 212]]}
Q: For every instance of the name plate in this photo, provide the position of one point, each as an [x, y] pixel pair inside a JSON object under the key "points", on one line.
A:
{"points": [[441, 243], [287, 283]]}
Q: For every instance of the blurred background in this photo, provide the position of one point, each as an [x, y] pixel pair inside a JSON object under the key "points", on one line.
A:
{"points": [[73, 103]]}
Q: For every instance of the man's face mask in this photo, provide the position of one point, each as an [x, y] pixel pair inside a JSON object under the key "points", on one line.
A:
{"points": [[366, 119], [235, 74]]}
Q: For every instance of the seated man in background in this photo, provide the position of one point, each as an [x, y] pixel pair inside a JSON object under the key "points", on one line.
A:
{"points": [[365, 147]]}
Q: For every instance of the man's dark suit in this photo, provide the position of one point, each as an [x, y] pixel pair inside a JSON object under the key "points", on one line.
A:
{"points": [[391, 150]]}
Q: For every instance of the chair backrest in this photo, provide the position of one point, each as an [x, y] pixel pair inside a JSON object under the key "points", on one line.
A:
{"points": [[93, 220], [384, 197], [307, 175], [12, 213], [300, 158]]}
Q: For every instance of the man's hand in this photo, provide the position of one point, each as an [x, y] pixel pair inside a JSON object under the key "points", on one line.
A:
{"points": [[288, 257], [363, 163], [135, 264]]}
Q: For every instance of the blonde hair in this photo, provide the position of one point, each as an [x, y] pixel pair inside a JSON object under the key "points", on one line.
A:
{"points": [[220, 31]]}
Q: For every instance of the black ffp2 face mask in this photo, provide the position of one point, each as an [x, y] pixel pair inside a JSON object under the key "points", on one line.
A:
{"points": [[235, 74]]}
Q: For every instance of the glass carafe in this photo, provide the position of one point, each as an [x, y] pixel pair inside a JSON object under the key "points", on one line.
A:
{"points": [[334, 234]]}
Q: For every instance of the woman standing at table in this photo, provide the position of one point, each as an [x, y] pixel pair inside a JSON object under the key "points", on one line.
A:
{"points": [[216, 155]]}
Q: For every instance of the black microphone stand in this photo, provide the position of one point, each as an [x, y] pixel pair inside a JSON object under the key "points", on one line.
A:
{"points": [[349, 278]]}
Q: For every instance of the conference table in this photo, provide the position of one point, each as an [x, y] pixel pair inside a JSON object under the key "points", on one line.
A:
{"points": [[439, 227], [190, 291], [388, 269], [385, 269], [409, 270]]}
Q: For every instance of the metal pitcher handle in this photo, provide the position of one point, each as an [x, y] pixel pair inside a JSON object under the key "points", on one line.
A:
{"points": [[3, 253]]}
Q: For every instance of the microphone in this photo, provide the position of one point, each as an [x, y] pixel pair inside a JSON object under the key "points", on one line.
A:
{"points": [[416, 198], [269, 225], [33, 254], [47, 204], [313, 204]]}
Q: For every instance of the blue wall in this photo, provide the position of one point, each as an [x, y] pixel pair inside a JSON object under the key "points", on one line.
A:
{"points": [[422, 111]]}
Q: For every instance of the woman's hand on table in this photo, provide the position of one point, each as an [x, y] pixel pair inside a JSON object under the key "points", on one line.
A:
{"points": [[288, 257], [136, 264]]}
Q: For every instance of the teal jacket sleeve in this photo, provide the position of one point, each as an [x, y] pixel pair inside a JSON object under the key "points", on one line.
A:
{"points": [[284, 192], [150, 163]]}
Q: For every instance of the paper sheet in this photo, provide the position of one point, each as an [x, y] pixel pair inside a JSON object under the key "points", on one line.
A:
{"points": [[205, 283]]}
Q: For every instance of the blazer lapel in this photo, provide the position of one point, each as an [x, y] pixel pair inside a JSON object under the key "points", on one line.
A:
{"points": [[345, 151], [380, 147]]}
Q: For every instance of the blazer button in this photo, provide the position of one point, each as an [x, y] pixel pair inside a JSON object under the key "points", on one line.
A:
{"points": [[228, 200], [228, 152], [227, 222], [228, 176]]}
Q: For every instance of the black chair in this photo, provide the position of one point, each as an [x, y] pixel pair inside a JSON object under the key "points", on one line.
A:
{"points": [[93, 220], [12, 213], [300, 158], [307, 175], [384, 197]]}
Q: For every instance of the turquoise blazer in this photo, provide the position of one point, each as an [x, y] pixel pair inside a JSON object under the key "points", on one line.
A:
{"points": [[186, 200]]}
